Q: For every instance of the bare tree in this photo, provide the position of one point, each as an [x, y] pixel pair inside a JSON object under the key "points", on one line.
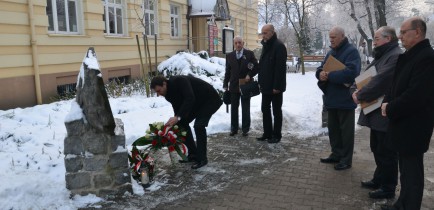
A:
{"points": [[297, 14], [144, 21], [268, 11]]}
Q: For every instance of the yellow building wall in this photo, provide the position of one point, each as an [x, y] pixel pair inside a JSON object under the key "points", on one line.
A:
{"points": [[59, 56]]}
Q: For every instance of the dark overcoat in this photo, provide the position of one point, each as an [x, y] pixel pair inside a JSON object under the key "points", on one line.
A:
{"points": [[238, 69], [378, 86], [190, 96], [272, 66], [410, 101]]}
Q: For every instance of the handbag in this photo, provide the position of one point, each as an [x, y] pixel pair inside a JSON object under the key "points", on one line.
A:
{"points": [[250, 89]]}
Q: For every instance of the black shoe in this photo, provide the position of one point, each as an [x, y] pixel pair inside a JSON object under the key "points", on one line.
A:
{"points": [[232, 133], [189, 160], [263, 138], [381, 194], [387, 207], [342, 166], [273, 140], [329, 160], [245, 134], [199, 164], [370, 185]]}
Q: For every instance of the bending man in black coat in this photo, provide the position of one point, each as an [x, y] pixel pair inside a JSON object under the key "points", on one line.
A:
{"points": [[240, 64], [272, 82], [409, 105], [385, 54], [191, 98]]}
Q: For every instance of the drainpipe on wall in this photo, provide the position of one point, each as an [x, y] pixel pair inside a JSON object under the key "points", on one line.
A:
{"points": [[188, 23], [34, 53]]}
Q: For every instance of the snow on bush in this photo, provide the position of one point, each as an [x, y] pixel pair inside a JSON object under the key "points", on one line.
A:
{"points": [[211, 70]]}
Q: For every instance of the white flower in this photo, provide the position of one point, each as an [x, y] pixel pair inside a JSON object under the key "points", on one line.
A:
{"points": [[184, 133]]}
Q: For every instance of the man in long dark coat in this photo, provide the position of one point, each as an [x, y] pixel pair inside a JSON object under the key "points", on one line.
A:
{"points": [[191, 99], [272, 82], [409, 105]]}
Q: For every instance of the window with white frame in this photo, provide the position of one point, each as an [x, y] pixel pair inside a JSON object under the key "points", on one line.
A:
{"points": [[150, 17], [174, 21], [113, 17], [62, 16]]}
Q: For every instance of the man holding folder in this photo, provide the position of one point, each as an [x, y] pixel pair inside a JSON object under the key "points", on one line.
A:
{"points": [[336, 74], [385, 54]]}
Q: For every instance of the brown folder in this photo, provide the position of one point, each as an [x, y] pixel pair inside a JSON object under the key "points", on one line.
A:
{"points": [[365, 104], [332, 64], [363, 82], [242, 81], [363, 79]]}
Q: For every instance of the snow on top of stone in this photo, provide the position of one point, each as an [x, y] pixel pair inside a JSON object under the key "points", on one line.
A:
{"points": [[75, 113], [120, 149], [91, 62]]}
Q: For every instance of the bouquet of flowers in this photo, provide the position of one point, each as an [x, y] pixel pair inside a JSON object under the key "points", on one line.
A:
{"points": [[158, 136], [142, 165]]}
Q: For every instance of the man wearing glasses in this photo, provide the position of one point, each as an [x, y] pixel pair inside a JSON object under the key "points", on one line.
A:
{"points": [[385, 55], [409, 106]]}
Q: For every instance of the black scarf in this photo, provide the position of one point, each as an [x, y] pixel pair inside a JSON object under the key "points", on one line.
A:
{"points": [[267, 45], [377, 52]]}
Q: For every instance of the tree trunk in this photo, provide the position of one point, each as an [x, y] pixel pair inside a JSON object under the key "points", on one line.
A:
{"points": [[353, 16], [300, 47], [380, 8]]}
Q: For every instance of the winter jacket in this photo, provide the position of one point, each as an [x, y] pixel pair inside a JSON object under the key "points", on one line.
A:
{"points": [[337, 94], [272, 66], [410, 101], [384, 63], [238, 69], [190, 96]]}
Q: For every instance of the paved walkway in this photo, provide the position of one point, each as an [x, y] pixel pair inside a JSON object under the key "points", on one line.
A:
{"points": [[246, 174]]}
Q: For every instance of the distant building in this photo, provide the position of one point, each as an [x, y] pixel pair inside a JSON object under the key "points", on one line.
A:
{"points": [[43, 42]]}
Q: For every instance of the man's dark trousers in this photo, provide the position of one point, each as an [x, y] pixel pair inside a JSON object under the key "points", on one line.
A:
{"points": [[412, 182], [341, 134], [245, 112], [202, 116], [276, 100], [386, 173]]}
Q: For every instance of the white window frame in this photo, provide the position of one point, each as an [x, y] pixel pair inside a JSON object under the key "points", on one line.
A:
{"points": [[148, 13], [175, 30], [116, 5], [241, 28], [55, 17]]}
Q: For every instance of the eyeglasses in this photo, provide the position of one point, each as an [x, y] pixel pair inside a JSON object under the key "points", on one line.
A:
{"points": [[403, 32]]}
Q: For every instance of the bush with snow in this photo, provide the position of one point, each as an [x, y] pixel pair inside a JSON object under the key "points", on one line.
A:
{"points": [[211, 70]]}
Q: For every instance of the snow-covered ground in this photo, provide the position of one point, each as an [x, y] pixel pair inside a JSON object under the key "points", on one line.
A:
{"points": [[32, 174]]}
